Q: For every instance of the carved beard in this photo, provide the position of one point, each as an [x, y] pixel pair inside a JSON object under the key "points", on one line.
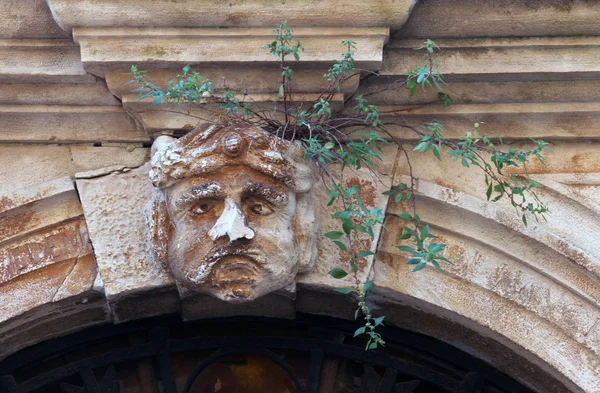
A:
{"points": [[236, 271]]}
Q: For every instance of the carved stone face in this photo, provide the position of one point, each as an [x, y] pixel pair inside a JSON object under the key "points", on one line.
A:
{"points": [[233, 236], [232, 215]]}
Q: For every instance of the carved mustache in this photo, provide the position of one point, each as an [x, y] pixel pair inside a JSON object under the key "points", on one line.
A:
{"points": [[235, 249]]}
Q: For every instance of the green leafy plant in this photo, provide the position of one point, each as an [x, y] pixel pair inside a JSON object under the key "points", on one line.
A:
{"points": [[351, 139]]}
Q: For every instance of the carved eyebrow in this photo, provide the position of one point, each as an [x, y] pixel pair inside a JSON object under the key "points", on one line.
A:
{"points": [[206, 190], [270, 194]]}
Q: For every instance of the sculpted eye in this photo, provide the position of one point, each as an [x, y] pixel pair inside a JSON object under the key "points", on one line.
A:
{"points": [[202, 207], [260, 208]]}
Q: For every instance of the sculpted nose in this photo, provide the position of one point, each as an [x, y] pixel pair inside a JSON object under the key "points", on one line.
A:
{"points": [[231, 223]]}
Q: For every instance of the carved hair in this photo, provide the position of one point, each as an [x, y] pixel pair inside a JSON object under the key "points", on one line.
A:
{"points": [[210, 148]]}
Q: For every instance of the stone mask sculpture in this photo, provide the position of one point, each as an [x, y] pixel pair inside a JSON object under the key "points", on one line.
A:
{"points": [[232, 215]]}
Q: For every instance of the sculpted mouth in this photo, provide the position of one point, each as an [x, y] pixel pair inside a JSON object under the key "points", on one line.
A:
{"points": [[227, 265], [236, 269]]}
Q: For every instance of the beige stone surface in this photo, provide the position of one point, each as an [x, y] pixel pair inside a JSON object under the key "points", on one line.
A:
{"points": [[29, 167], [510, 277], [502, 18], [145, 13], [578, 91], [67, 124], [514, 121], [28, 19], [48, 61], [114, 209], [57, 94], [523, 59], [89, 158]]}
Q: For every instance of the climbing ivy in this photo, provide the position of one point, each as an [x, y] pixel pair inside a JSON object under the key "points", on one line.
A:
{"points": [[325, 136]]}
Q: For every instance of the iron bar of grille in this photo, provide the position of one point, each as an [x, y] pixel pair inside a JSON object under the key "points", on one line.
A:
{"points": [[159, 337], [314, 372], [161, 347]]}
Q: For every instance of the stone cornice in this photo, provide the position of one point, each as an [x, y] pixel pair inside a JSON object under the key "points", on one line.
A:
{"points": [[254, 13], [105, 49]]}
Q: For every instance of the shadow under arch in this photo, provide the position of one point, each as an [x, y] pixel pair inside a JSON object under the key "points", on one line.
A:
{"points": [[310, 349]]}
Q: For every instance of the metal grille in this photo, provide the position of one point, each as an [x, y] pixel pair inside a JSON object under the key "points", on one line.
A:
{"points": [[93, 361]]}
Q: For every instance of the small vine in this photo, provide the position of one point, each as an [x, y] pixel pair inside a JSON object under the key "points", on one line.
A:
{"points": [[325, 136]]}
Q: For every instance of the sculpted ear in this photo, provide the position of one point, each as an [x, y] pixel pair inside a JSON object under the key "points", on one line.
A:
{"points": [[161, 228], [305, 231]]}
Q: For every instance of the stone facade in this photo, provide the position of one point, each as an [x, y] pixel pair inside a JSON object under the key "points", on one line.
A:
{"points": [[75, 158]]}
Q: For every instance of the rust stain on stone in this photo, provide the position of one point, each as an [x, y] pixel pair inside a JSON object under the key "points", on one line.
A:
{"points": [[367, 192], [10, 226], [360, 245], [5, 203], [441, 182], [53, 246]]}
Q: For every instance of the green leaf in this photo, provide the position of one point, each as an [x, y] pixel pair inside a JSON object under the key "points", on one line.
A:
{"points": [[465, 163], [406, 235], [413, 261], [367, 285], [378, 321], [353, 266], [332, 197], [373, 345], [337, 273], [489, 191], [355, 312], [334, 235], [405, 216], [436, 152], [365, 253], [422, 147], [345, 291], [425, 231], [436, 247], [347, 226], [524, 219], [360, 331], [341, 245], [281, 91], [420, 266], [343, 215], [406, 248]]}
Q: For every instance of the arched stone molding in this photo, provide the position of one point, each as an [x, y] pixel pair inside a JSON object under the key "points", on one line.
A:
{"points": [[74, 149]]}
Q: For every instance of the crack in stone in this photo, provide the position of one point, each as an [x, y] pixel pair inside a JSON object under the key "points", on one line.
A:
{"points": [[65, 279]]}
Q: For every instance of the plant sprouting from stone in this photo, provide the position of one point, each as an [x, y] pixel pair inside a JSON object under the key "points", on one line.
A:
{"points": [[281, 47], [352, 140]]}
